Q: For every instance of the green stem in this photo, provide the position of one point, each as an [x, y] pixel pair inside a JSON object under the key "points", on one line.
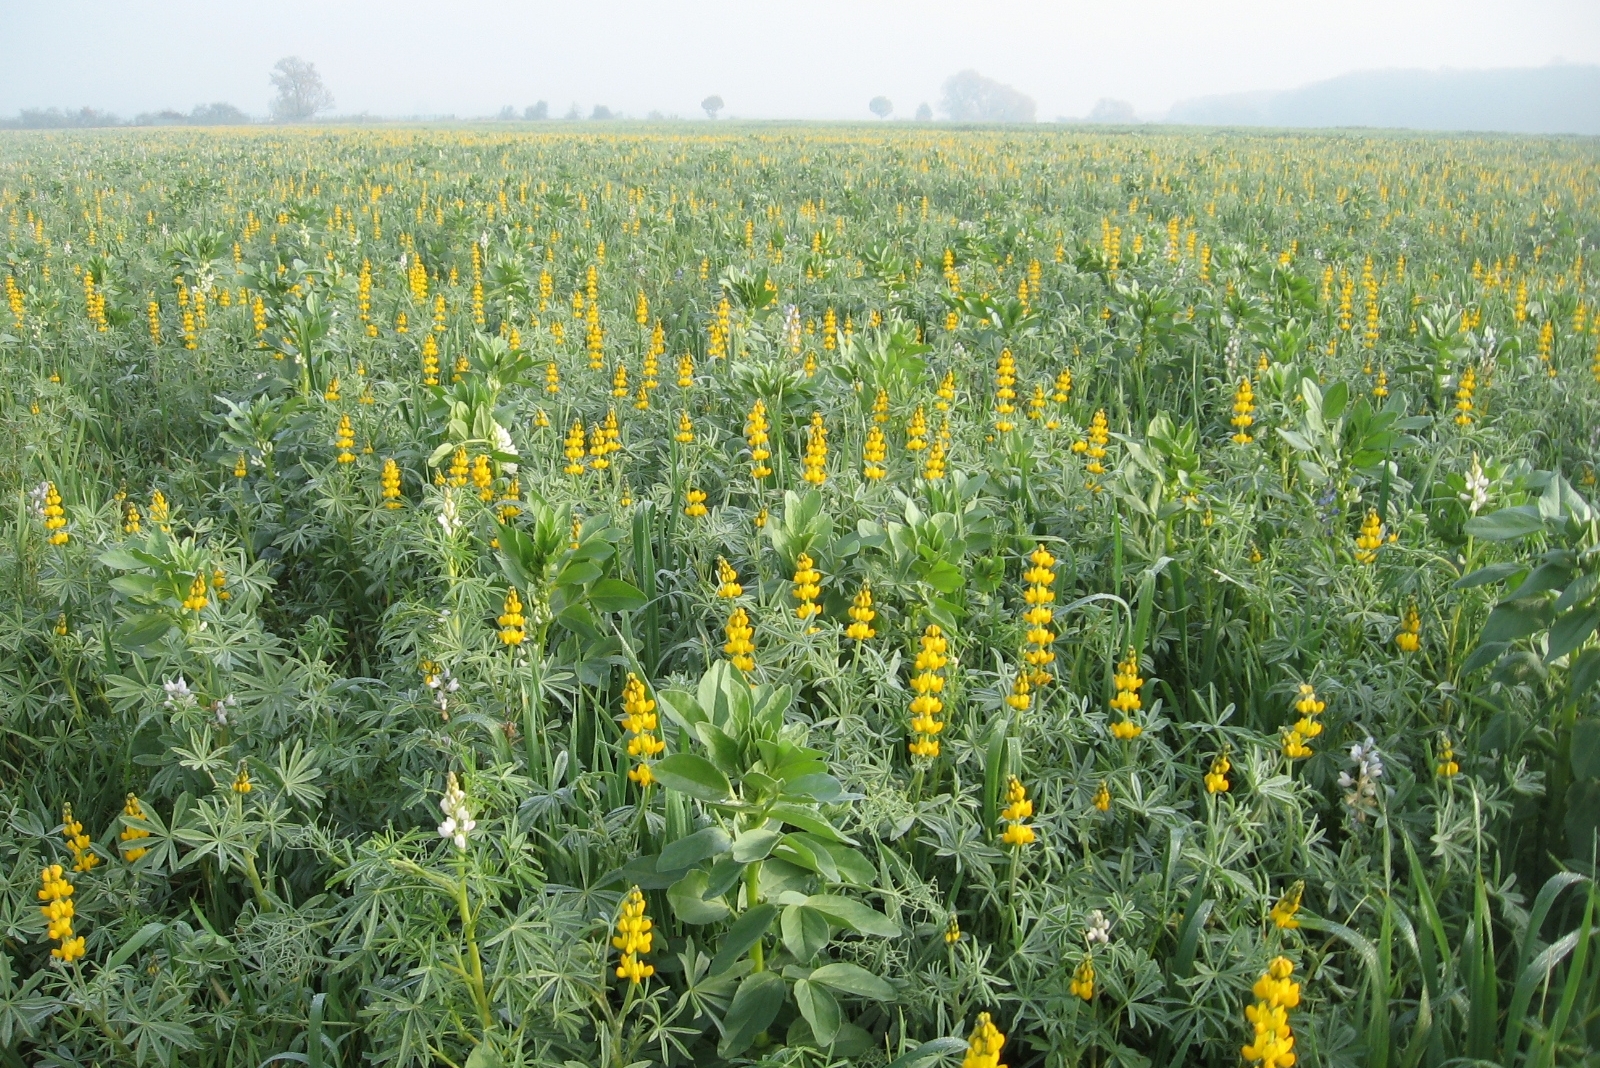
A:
{"points": [[752, 893], [469, 934]]}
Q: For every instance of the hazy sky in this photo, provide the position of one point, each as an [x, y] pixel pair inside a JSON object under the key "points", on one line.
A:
{"points": [[772, 59]]}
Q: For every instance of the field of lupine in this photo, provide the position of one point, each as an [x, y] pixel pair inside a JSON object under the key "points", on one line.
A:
{"points": [[798, 596]]}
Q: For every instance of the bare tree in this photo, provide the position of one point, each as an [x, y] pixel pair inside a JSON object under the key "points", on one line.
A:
{"points": [[880, 106], [924, 112], [970, 97], [1113, 111], [301, 93], [712, 104]]}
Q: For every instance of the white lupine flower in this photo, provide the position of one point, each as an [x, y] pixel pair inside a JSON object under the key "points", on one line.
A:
{"points": [[1476, 495], [1361, 788], [458, 822], [178, 693], [449, 517], [1099, 929]]}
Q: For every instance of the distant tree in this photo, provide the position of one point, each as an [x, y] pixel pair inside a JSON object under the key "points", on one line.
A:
{"points": [[1113, 111], [537, 112], [654, 116], [167, 117], [712, 104], [880, 106], [601, 112], [574, 113], [55, 118], [301, 93], [970, 97], [924, 113], [219, 113], [507, 114]]}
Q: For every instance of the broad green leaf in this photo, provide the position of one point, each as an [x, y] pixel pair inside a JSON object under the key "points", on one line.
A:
{"points": [[745, 932], [689, 900], [857, 916], [615, 595], [856, 980], [140, 631], [755, 1005], [693, 775], [820, 1009], [1492, 573], [693, 848], [755, 844], [1508, 622], [937, 1049], [1571, 630], [805, 932], [1506, 524]]}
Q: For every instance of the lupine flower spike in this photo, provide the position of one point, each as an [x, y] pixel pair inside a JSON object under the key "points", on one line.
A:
{"points": [[640, 721], [1127, 700], [633, 938], [984, 1045]]}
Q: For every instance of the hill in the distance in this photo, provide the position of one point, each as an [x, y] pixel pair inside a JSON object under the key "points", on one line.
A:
{"points": [[1561, 98]]}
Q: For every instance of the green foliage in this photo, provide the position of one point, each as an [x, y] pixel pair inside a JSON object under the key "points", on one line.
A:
{"points": [[415, 684]]}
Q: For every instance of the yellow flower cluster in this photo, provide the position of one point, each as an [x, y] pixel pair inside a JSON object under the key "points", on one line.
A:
{"points": [[1307, 726], [694, 503], [241, 780], [1093, 446], [199, 593], [1409, 640], [1447, 768], [1370, 540], [861, 616], [1021, 695], [131, 809], [1244, 412], [1276, 993], [1283, 913], [807, 587], [952, 930], [984, 1045], [927, 684], [344, 439], [639, 720], [1082, 984], [1464, 391], [814, 467], [633, 938], [739, 646], [1018, 811], [55, 516], [686, 371], [430, 361], [727, 581], [391, 485], [933, 469], [1217, 777], [573, 449], [873, 453], [755, 432], [917, 431], [483, 477], [460, 468], [1127, 700], [1005, 379], [83, 858], [511, 620], [55, 891], [1038, 616]]}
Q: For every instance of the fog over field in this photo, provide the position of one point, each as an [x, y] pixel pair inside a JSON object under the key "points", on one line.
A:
{"points": [[824, 59]]}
